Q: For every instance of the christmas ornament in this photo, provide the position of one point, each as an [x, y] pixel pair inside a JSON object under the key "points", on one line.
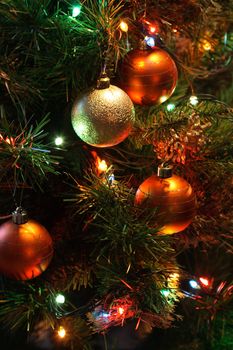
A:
{"points": [[25, 247], [104, 116], [174, 198], [148, 76]]}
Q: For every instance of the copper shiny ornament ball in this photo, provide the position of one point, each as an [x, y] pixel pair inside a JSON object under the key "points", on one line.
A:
{"points": [[148, 76], [104, 116], [25, 250], [174, 198]]}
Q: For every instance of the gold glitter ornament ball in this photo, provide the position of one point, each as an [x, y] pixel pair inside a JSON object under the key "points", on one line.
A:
{"points": [[104, 116]]}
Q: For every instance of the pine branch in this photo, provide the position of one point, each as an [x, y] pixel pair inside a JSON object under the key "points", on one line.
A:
{"points": [[22, 308], [24, 158]]}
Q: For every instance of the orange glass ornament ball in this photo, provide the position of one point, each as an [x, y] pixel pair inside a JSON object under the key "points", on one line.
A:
{"points": [[25, 250], [174, 198], [148, 76]]}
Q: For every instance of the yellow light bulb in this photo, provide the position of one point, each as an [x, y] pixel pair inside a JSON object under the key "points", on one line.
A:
{"points": [[121, 310], [102, 166], [163, 99], [61, 332], [124, 26], [207, 45]]}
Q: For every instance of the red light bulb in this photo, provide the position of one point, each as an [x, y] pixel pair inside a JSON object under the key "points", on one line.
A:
{"points": [[204, 281]]}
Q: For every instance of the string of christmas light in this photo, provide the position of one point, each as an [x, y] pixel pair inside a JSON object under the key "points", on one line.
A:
{"points": [[121, 247]]}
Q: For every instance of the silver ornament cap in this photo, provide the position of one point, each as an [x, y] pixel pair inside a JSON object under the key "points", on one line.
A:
{"points": [[164, 172], [103, 82], [19, 216]]}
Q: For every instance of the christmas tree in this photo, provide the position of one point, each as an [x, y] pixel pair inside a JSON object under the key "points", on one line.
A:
{"points": [[116, 170]]}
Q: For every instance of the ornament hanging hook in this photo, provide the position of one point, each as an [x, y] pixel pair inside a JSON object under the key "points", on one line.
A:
{"points": [[145, 9]]}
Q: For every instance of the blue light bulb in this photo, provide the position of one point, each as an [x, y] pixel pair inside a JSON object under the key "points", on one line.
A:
{"points": [[194, 284], [150, 41]]}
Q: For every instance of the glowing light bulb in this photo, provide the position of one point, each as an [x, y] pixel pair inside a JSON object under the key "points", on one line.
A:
{"points": [[163, 99], [225, 38], [60, 299], [102, 165], [76, 10], [193, 100], [124, 26], [121, 310], [58, 141], [204, 281], [165, 292], [207, 45], [152, 29], [61, 332], [170, 107], [194, 284], [150, 41], [111, 178]]}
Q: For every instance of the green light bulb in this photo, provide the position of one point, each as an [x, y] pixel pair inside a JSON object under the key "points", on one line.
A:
{"points": [[76, 10], [165, 292]]}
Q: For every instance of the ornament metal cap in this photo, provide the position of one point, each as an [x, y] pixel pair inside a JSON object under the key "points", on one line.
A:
{"points": [[103, 82], [164, 172], [19, 216]]}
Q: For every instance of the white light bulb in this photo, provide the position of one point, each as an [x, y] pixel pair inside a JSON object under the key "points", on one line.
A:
{"points": [[58, 141], [193, 100], [60, 299], [111, 178], [170, 107]]}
